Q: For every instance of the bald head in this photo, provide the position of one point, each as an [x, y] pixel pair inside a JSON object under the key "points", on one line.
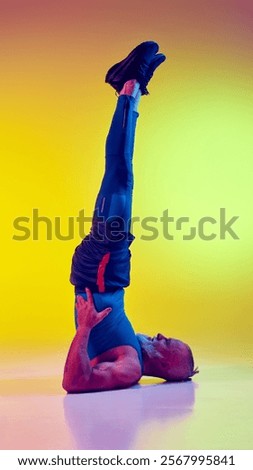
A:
{"points": [[168, 358]]}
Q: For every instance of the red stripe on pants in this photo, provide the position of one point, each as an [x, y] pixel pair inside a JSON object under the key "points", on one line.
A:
{"points": [[101, 272]]}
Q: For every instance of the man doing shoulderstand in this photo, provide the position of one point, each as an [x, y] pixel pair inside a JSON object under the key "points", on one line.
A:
{"points": [[105, 353]]}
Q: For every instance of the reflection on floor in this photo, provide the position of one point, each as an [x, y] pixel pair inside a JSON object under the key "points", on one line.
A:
{"points": [[214, 411]]}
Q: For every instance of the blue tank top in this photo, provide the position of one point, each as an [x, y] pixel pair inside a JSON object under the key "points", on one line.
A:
{"points": [[115, 330]]}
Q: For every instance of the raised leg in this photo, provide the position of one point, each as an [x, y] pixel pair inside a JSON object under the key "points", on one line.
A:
{"points": [[102, 260], [114, 201]]}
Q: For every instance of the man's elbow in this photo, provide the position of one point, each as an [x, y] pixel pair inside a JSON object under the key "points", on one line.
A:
{"points": [[65, 385], [69, 386]]}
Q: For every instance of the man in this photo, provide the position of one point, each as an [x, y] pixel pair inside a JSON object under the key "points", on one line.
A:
{"points": [[105, 353]]}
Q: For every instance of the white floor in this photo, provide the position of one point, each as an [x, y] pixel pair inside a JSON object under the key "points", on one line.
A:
{"points": [[214, 411]]}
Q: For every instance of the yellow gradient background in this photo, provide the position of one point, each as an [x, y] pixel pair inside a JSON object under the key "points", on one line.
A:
{"points": [[193, 156]]}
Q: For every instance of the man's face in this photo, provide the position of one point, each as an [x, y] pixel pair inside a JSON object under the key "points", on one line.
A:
{"points": [[168, 357]]}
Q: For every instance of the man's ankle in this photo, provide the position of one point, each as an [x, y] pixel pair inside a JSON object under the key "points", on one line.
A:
{"points": [[131, 88]]}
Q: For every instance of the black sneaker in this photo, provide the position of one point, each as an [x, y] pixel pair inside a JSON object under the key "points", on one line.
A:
{"points": [[157, 60], [134, 66]]}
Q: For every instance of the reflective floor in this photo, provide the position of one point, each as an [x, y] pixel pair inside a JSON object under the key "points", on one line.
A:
{"points": [[214, 411]]}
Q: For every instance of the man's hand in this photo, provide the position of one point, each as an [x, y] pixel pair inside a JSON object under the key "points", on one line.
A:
{"points": [[87, 315]]}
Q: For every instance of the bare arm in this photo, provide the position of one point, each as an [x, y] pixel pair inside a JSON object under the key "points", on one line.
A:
{"points": [[79, 375]]}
